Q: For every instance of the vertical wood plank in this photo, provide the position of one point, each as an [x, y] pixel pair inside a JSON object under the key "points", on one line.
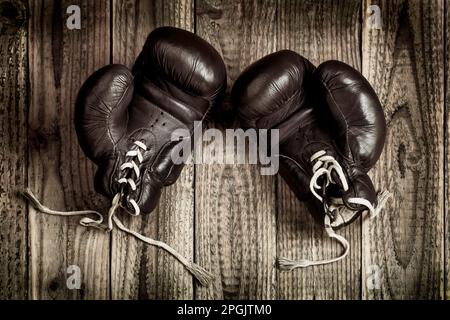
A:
{"points": [[235, 205], [320, 31], [140, 271], [447, 149], [59, 173], [404, 247], [13, 149]]}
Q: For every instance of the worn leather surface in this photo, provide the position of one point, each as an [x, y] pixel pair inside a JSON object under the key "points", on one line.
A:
{"points": [[331, 107], [177, 78]]}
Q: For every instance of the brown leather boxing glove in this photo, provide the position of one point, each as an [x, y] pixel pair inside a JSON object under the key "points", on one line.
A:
{"points": [[331, 127], [125, 120]]}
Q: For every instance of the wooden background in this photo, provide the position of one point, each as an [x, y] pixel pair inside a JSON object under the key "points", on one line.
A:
{"points": [[229, 218]]}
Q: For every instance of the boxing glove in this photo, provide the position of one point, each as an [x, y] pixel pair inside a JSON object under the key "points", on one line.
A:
{"points": [[331, 127], [125, 122]]}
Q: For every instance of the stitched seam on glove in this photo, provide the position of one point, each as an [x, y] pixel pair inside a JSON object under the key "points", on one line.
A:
{"points": [[342, 116], [115, 107], [164, 75], [281, 110]]}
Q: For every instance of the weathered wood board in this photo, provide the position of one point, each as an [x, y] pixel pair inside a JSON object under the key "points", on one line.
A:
{"points": [[59, 173], [138, 270], [13, 149], [404, 248], [447, 149], [320, 31], [235, 205]]}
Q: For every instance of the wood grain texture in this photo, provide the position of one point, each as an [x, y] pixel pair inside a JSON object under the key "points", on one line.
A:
{"points": [[140, 271], [320, 31], [235, 205], [13, 149], [59, 173], [231, 219], [404, 247], [447, 149]]}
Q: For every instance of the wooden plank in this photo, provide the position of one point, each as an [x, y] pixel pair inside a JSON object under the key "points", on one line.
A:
{"points": [[13, 149], [447, 149], [244, 32], [235, 205], [59, 173], [138, 270], [404, 248], [320, 31]]}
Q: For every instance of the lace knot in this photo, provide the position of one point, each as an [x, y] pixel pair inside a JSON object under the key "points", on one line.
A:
{"points": [[323, 166]]}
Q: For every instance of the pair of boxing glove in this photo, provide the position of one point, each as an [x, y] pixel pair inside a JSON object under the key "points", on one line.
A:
{"points": [[328, 115], [330, 121]]}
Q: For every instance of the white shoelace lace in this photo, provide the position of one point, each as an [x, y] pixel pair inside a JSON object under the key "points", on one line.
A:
{"points": [[324, 165], [201, 274], [132, 165]]}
